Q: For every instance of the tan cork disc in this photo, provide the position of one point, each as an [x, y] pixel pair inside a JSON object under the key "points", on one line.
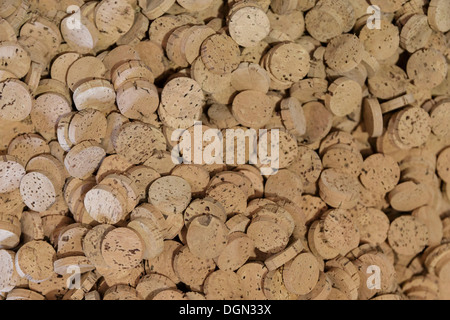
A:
{"points": [[9, 277], [408, 196], [61, 65], [438, 13], [82, 37], [373, 117], [83, 159], [250, 76], [407, 235], [380, 173], [381, 43], [15, 101], [293, 116], [34, 260], [318, 121], [274, 287], [443, 165], [145, 140], [122, 248], [344, 53], [249, 103], [195, 175], [344, 97], [92, 244], [373, 225], [223, 285], [163, 263], [412, 127], [415, 33], [137, 99], [285, 184], [129, 70], [112, 164], [142, 177], [15, 59], [236, 252], [439, 117], [83, 69], [301, 274], [251, 277], [427, 68], [229, 196], [151, 234], [105, 204], [339, 231], [114, 18], [53, 168], [236, 178], [33, 182], [88, 124], [220, 54], [343, 158], [208, 81], [11, 172], [191, 269], [428, 216], [324, 24], [267, 235], [193, 41], [248, 26], [94, 93], [164, 191], [199, 207], [339, 190]]}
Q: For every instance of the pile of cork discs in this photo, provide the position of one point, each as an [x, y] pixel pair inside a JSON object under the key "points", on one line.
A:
{"points": [[93, 205]]}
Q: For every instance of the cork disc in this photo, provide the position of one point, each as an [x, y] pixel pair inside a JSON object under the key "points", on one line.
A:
{"points": [[88, 124], [343, 158], [344, 53], [137, 99], [15, 101], [339, 231], [252, 108], [83, 159], [223, 285], [438, 13], [11, 172], [318, 121], [373, 225], [285, 184], [380, 173], [388, 6], [206, 236], [8, 277], [136, 142], [339, 190], [408, 196], [200, 207], [70, 240], [193, 41], [412, 126], [428, 216], [94, 93], [248, 26], [220, 54], [170, 194], [112, 164], [163, 263], [161, 162], [443, 165], [131, 69], [288, 62], [229, 196], [152, 55], [191, 5], [250, 76], [151, 235], [174, 46], [208, 81], [82, 69], [92, 244], [195, 175], [105, 204], [236, 252], [344, 97], [427, 68], [191, 269], [114, 18], [407, 235], [373, 117], [324, 24], [301, 274], [15, 59], [415, 33], [381, 43], [122, 248], [236, 178], [251, 277], [61, 64], [34, 260], [114, 122], [293, 116], [10, 235], [274, 287], [53, 168], [142, 177], [182, 97], [84, 37], [267, 235], [388, 83], [38, 191], [31, 225], [439, 117], [125, 186]]}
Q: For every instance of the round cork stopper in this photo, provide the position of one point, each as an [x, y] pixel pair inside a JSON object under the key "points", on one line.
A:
{"points": [[344, 53], [301, 274], [252, 108], [182, 97], [274, 287], [409, 195], [427, 68], [84, 37], [11, 172], [195, 175], [15, 59], [339, 231], [293, 116], [373, 225], [250, 76], [34, 261], [220, 54], [407, 235], [209, 82], [170, 194], [389, 82], [285, 184], [415, 33], [92, 244], [84, 68], [438, 13], [443, 165], [223, 285], [105, 204], [236, 252], [131, 69], [206, 236], [288, 62], [230, 196], [70, 240], [440, 115], [248, 26], [344, 97], [61, 64], [381, 43], [15, 101], [84, 158], [151, 234], [251, 277], [125, 186], [267, 235], [236, 178], [163, 263], [122, 248], [343, 158], [195, 5], [136, 141], [8, 277], [412, 126], [427, 215], [200, 207], [191, 269], [31, 225], [137, 99], [373, 117], [324, 24], [114, 18], [142, 177], [94, 93], [380, 173], [318, 121], [339, 190], [38, 191], [88, 124]]}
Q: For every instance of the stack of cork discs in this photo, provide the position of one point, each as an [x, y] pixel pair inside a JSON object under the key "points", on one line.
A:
{"points": [[106, 190]]}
